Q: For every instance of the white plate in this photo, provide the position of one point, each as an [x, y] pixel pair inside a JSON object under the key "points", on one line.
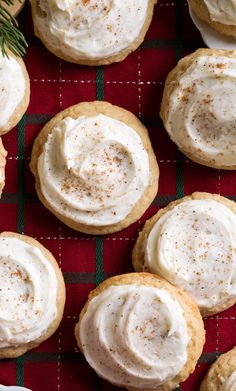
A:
{"points": [[212, 38]]}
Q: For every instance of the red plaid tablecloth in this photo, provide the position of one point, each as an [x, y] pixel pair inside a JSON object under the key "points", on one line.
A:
{"points": [[135, 84]]}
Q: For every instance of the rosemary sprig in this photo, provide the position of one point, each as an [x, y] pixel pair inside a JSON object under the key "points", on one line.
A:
{"points": [[10, 37]]}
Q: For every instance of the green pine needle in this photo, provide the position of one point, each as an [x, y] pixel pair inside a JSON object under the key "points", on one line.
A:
{"points": [[11, 39]]}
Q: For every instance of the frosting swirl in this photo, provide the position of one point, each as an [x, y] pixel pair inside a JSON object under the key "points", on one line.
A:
{"points": [[230, 383], [12, 88], [93, 28], [28, 292], [222, 11], [135, 336], [93, 170], [193, 246], [202, 115]]}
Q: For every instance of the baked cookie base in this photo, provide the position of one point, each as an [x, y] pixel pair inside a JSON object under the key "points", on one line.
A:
{"points": [[192, 316], [91, 109], [16, 351], [138, 255], [222, 368], [61, 52]]}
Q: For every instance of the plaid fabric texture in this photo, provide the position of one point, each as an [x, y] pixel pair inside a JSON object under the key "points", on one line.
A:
{"points": [[137, 85]]}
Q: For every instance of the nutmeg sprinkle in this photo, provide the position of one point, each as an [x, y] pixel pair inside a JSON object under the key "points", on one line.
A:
{"points": [[201, 118], [27, 304], [136, 335], [99, 171], [91, 28], [192, 246]]}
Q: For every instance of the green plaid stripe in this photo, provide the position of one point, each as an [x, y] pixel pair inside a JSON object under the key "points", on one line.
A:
{"points": [[99, 241], [12, 198], [41, 119], [160, 200], [99, 81], [21, 200], [161, 44], [21, 196], [158, 44], [99, 261], [178, 52], [20, 222], [37, 118], [89, 278], [179, 159], [50, 357]]}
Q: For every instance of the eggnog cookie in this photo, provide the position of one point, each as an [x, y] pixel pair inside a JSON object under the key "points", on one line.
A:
{"points": [[222, 374], [92, 32], [3, 155], [191, 243], [32, 294], [140, 332], [199, 110], [95, 168], [220, 15], [14, 91]]}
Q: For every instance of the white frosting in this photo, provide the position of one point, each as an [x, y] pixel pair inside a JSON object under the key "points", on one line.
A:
{"points": [[222, 11], [12, 88], [202, 115], [230, 383], [90, 28], [93, 170], [28, 292], [13, 388], [135, 336], [193, 246]]}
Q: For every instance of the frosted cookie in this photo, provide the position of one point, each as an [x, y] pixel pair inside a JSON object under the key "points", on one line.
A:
{"points": [[191, 243], [14, 91], [222, 374], [198, 107], [95, 168], [138, 331], [13, 388], [220, 15], [92, 32], [3, 155], [32, 294]]}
